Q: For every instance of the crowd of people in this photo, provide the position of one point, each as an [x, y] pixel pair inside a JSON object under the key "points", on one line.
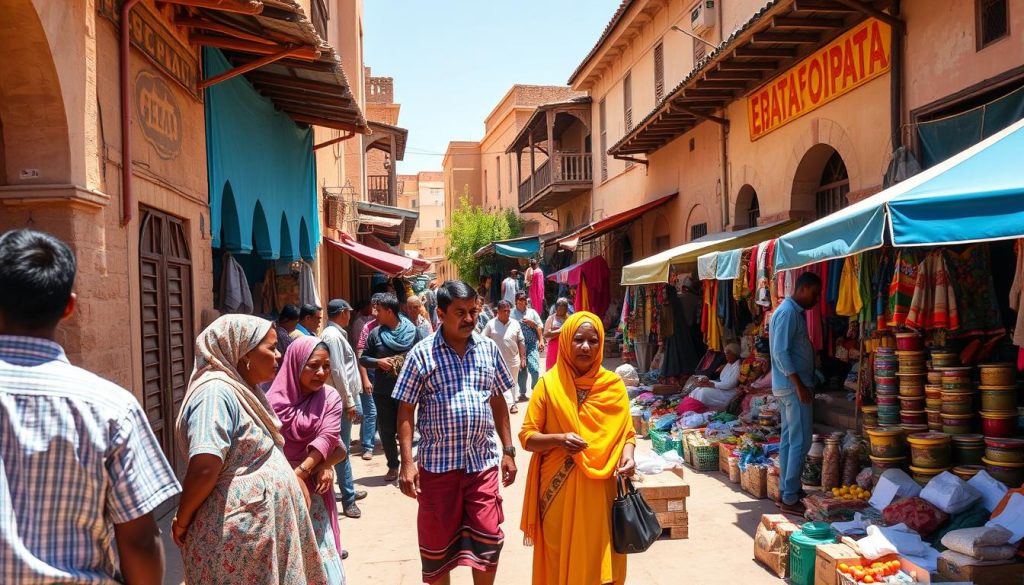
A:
{"points": [[265, 428]]}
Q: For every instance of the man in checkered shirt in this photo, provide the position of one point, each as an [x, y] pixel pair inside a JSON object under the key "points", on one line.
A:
{"points": [[78, 461], [457, 378]]}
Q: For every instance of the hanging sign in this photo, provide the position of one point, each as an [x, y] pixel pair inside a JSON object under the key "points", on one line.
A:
{"points": [[851, 60], [158, 114], [151, 35]]}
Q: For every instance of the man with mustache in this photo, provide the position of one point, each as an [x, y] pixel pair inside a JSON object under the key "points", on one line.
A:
{"points": [[457, 378]]}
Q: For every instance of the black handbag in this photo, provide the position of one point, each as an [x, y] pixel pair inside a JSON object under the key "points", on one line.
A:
{"points": [[634, 525]]}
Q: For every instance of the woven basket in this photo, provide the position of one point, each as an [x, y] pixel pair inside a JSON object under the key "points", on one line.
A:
{"points": [[335, 211], [662, 442], [702, 457]]}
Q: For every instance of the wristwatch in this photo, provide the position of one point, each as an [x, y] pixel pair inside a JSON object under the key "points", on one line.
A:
{"points": [[510, 451]]}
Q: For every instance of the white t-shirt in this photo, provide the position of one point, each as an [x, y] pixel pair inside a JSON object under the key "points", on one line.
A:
{"points": [[511, 287], [508, 336]]}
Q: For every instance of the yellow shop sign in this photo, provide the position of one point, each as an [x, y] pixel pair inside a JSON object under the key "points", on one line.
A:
{"points": [[851, 60]]}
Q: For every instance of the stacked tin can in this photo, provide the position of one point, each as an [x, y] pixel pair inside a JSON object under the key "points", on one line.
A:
{"points": [[886, 386], [912, 375], [941, 358], [958, 398]]}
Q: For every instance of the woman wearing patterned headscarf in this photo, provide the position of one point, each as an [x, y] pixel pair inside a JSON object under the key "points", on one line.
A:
{"points": [[243, 517], [579, 430], [310, 414]]}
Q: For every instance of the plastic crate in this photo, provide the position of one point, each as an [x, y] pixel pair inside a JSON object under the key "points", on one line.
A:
{"points": [[662, 442], [702, 457]]}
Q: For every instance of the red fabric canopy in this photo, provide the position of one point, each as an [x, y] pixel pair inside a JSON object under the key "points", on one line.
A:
{"points": [[379, 260], [607, 224], [419, 264]]}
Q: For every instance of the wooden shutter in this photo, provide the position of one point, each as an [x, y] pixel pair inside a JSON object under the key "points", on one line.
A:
{"points": [[627, 100], [602, 114], [165, 274], [659, 72]]}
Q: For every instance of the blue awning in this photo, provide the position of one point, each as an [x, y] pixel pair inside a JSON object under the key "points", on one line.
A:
{"points": [[262, 172], [976, 195], [522, 247]]}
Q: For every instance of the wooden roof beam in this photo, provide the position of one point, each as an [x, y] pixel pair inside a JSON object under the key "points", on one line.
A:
{"points": [[277, 92], [318, 121], [867, 10], [827, 6], [239, 7], [808, 23], [753, 52], [785, 38], [288, 81], [321, 66], [747, 66], [298, 52], [739, 75], [254, 63], [716, 119], [724, 83], [199, 23], [707, 92], [313, 111]]}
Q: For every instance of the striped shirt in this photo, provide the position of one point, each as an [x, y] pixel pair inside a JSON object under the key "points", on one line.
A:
{"points": [[453, 394], [77, 456]]}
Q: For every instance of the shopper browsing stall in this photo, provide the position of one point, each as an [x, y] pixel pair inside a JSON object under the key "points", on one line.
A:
{"points": [[716, 394]]}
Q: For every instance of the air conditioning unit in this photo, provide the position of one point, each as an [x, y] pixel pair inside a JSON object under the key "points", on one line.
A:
{"points": [[703, 16]]}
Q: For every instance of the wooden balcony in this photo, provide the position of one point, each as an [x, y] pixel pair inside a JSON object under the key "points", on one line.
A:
{"points": [[560, 178], [380, 190]]}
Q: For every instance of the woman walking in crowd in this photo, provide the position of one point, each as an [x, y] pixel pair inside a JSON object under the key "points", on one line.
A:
{"points": [[243, 516], [310, 414], [530, 323], [552, 327], [578, 428]]}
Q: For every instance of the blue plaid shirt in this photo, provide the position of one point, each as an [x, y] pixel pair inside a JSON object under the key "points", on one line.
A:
{"points": [[453, 394], [77, 456]]}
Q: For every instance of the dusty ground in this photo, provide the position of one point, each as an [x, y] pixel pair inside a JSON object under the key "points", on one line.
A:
{"points": [[383, 545]]}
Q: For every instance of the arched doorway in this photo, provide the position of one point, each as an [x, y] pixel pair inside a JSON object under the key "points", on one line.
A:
{"points": [[34, 122], [697, 223], [748, 209], [821, 183]]}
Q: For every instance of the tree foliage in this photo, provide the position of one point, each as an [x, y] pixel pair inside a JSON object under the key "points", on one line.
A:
{"points": [[470, 229]]}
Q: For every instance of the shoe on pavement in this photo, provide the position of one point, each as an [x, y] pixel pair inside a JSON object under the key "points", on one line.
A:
{"points": [[344, 554], [367, 454], [795, 509], [352, 511], [514, 409], [360, 495], [523, 398], [392, 475]]}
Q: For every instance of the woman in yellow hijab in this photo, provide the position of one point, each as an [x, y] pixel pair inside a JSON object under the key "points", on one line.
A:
{"points": [[580, 433]]}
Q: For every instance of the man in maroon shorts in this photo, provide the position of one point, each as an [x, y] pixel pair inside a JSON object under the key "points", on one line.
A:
{"points": [[457, 378]]}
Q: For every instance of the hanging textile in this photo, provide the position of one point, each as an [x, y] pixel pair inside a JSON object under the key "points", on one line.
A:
{"points": [[307, 286], [707, 266], [741, 284], [975, 291], [834, 269], [867, 269], [815, 314], [582, 300], [710, 323], [934, 303], [1017, 295], [235, 296], [752, 269], [724, 305], [880, 285], [901, 288], [761, 295], [268, 290], [848, 303]]}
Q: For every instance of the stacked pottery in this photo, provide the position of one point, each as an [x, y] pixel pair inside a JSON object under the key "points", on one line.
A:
{"points": [[941, 358], [1004, 459], [886, 387], [968, 449], [957, 400], [998, 399], [888, 450], [912, 377], [930, 455]]}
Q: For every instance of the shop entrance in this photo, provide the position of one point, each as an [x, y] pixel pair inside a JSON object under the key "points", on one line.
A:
{"points": [[165, 276], [821, 184]]}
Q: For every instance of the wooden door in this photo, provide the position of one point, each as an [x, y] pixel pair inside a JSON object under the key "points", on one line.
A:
{"points": [[165, 274]]}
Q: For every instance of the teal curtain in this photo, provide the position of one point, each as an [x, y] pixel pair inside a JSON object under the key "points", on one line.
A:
{"points": [[262, 172], [941, 139]]}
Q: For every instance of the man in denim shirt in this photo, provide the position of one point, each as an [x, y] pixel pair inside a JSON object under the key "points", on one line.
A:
{"points": [[793, 384]]}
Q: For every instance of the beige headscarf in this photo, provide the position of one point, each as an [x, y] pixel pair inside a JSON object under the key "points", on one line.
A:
{"points": [[218, 348]]}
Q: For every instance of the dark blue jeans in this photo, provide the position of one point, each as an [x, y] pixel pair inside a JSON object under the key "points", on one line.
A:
{"points": [[368, 429], [343, 470]]}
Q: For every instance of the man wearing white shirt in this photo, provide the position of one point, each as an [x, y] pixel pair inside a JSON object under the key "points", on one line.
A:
{"points": [[717, 394], [506, 332], [510, 286]]}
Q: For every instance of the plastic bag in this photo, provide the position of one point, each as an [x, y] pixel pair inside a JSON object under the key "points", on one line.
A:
{"points": [[892, 485], [949, 493], [628, 374], [991, 489], [651, 463]]}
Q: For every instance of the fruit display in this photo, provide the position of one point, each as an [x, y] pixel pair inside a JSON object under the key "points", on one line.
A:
{"points": [[851, 492], [877, 572]]}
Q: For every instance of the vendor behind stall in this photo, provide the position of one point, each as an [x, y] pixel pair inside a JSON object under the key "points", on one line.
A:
{"points": [[716, 394]]}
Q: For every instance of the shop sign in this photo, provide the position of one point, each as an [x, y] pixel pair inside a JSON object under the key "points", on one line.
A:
{"points": [[158, 114], [858, 56], [150, 35]]}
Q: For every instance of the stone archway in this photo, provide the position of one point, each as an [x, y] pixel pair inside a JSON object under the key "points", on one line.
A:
{"points": [[696, 223], [820, 183], [34, 133], [810, 156], [748, 207]]}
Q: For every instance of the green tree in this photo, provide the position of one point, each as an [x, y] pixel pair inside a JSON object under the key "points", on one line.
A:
{"points": [[470, 229]]}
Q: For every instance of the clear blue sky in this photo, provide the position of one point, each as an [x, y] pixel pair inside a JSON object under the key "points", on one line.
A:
{"points": [[452, 60]]}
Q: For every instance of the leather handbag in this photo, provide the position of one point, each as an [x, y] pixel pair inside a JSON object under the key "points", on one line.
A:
{"points": [[634, 524]]}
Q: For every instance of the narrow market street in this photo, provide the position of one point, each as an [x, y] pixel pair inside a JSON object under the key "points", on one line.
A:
{"points": [[382, 544]]}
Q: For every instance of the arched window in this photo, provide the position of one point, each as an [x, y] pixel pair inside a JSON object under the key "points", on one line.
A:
{"points": [[835, 184], [753, 212]]}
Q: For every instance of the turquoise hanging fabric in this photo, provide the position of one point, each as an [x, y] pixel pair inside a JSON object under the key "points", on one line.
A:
{"points": [[262, 172]]}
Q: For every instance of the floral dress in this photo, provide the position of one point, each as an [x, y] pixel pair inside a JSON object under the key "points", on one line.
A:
{"points": [[254, 528]]}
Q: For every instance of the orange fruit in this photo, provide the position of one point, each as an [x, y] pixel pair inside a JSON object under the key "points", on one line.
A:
{"points": [[869, 579], [844, 568]]}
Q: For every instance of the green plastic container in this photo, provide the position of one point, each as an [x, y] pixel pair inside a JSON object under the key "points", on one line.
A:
{"points": [[803, 545]]}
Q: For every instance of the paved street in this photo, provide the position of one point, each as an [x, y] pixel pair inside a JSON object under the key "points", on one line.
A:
{"points": [[383, 550]]}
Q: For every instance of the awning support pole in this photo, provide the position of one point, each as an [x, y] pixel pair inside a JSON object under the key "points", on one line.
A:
{"points": [[265, 60], [633, 159], [333, 141], [701, 115]]}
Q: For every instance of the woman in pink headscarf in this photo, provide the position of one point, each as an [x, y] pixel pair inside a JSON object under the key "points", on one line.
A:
{"points": [[310, 413]]}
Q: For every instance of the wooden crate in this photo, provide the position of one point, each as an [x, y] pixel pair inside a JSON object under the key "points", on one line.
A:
{"points": [[724, 453], [666, 505], [773, 487], [664, 486], [675, 533], [754, 481]]}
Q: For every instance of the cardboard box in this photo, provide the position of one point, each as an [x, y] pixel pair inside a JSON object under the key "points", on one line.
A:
{"points": [[1010, 574], [665, 505], [664, 486], [826, 571], [771, 543], [919, 574]]}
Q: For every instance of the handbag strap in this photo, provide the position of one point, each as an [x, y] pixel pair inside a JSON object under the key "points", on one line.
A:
{"points": [[624, 486]]}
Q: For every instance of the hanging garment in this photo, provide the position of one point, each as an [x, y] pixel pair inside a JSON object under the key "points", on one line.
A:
{"points": [[761, 294], [268, 290], [815, 314], [975, 291], [934, 302], [307, 286], [868, 269], [680, 351], [833, 278], [713, 334], [235, 296], [901, 288], [849, 303], [1016, 296], [741, 284], [883, 278], [752, 269]]}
